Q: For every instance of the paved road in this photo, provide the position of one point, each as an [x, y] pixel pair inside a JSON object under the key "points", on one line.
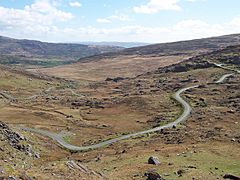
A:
{"points": [[60, 138], [226, 68], [224, 77], [187, 110]]}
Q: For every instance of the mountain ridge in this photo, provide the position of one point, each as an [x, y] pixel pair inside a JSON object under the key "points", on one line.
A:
{"points": [[117, 43], [15, 51], [176, 48]]}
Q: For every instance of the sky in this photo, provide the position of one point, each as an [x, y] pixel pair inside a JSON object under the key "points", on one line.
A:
{"points": [[152, 21]]}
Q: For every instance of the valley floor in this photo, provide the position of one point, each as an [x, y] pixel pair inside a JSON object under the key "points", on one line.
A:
{"points": [[206, 146]]}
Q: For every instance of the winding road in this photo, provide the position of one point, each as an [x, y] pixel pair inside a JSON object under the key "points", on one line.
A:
{"points": [[186, 107], [224, 77], [60, 137], [226, 68]]}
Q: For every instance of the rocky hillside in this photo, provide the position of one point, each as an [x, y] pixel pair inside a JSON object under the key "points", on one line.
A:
{"points": [[229, 55], [14, 51]]}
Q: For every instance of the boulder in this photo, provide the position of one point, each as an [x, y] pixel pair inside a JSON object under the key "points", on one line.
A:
{"points": [[154, 160], [153, 176]]}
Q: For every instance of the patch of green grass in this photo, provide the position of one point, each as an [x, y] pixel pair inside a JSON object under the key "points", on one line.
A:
{"points": [[172, 98], [206, 162], [16, 60], [18, 81], [67, 139], [208, 165]]}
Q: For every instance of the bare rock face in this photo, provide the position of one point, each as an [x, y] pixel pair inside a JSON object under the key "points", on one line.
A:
{"points": [[153, 176], [154, 160]]}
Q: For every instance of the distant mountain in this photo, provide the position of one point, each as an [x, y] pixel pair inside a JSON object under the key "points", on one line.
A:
{"points": [[14, 51], [120, 44], [190, 47]]}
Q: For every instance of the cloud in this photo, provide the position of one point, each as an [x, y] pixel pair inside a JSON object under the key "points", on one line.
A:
{"points": [[154, 6], [75, 4], [183, 30], [195, 0], [40, 13], [103, 20], [41, 20], [235, 22], [119, 17]]}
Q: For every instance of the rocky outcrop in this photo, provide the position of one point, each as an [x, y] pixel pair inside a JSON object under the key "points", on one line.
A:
{"points": [[16, 140], [191, 64], [229, 55], [12, 137]]}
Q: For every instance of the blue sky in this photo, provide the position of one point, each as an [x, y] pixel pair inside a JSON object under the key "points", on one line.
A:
{"points": [[118, 20]]}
